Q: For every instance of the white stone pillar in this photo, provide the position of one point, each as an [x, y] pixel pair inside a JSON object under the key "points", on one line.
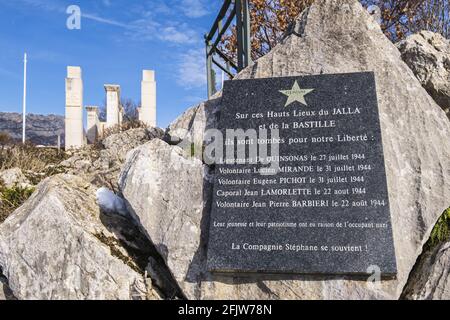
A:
{"points": [[93, 124], [147, 112], [101, 128], [112, 105], [121, 114], [74, 109]]}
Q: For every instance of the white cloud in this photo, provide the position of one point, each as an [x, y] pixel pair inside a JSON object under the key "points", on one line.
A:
{"points": [[146, 27], [142, 30], [176, 33], [51, 5], [188, 8], [161, 8], [191, 69], [180, 34], [194, 8]]}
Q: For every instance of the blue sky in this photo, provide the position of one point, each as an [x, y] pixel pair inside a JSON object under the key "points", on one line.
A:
{"points": [[118, 38]]}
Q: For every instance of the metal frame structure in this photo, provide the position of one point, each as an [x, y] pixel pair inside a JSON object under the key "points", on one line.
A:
{"points": [[231, 9]]}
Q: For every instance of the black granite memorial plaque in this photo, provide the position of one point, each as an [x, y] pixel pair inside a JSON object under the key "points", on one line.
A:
{"points": [[324, 209]]}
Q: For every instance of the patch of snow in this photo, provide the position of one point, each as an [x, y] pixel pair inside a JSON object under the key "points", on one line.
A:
{"points": [[110, 202]]}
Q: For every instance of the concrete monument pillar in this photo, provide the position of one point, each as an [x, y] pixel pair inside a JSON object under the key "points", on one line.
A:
{"points": [[74, 109], [93, 124], [147, 112], [121, 114], [101, 128], [112, 105]]}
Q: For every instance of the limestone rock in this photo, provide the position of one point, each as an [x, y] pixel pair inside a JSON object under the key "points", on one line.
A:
{"points": [[102, 165], [5, 291], [3, 287], [428, 56], [56, 247], [189, 128], [2, 293], [332, 36], [14, 177], [430, 280], [180, 127], [119, 144], [165, 194]]}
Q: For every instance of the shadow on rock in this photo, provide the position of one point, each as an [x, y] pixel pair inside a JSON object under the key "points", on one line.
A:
{"points": [[142, 252]]}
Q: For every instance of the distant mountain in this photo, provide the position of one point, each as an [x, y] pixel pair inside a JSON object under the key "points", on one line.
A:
{"points": [[41, 129]]}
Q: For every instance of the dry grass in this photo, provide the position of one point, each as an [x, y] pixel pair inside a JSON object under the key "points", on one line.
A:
{"points": [[30, 158], [131, 124], [36, 163]]}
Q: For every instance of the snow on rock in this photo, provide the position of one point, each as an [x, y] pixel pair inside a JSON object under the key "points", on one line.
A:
{"points": [[110, 202]]}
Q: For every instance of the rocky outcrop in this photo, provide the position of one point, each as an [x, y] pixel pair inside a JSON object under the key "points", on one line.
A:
{"points": [[165, 194], [428, 56], [430, 280], [194, 121], [332, 36], [41, 129], [101, 163], [2, 292], [14, 177], [187, 131], [5, 290], [118, 145], [59, 245]]}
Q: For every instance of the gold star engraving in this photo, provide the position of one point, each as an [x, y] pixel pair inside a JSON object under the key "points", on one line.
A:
{"points": [[296, 94]]}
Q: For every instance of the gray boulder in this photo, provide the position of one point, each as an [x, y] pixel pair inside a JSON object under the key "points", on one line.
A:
{"points": [[5, 291], [179, 129], [118, 145], [332, 36], [187, 131], [56, 246], [100, 164], [3, 287], [14, 177], [165, 193], [2, 294], [428, 56], [430, 279]]}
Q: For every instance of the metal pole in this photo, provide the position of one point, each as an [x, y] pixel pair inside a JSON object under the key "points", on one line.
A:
{"points": [[240, 35], [246, 34], [209, 74], [24, 106], [223, 78], [219, 27]]}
